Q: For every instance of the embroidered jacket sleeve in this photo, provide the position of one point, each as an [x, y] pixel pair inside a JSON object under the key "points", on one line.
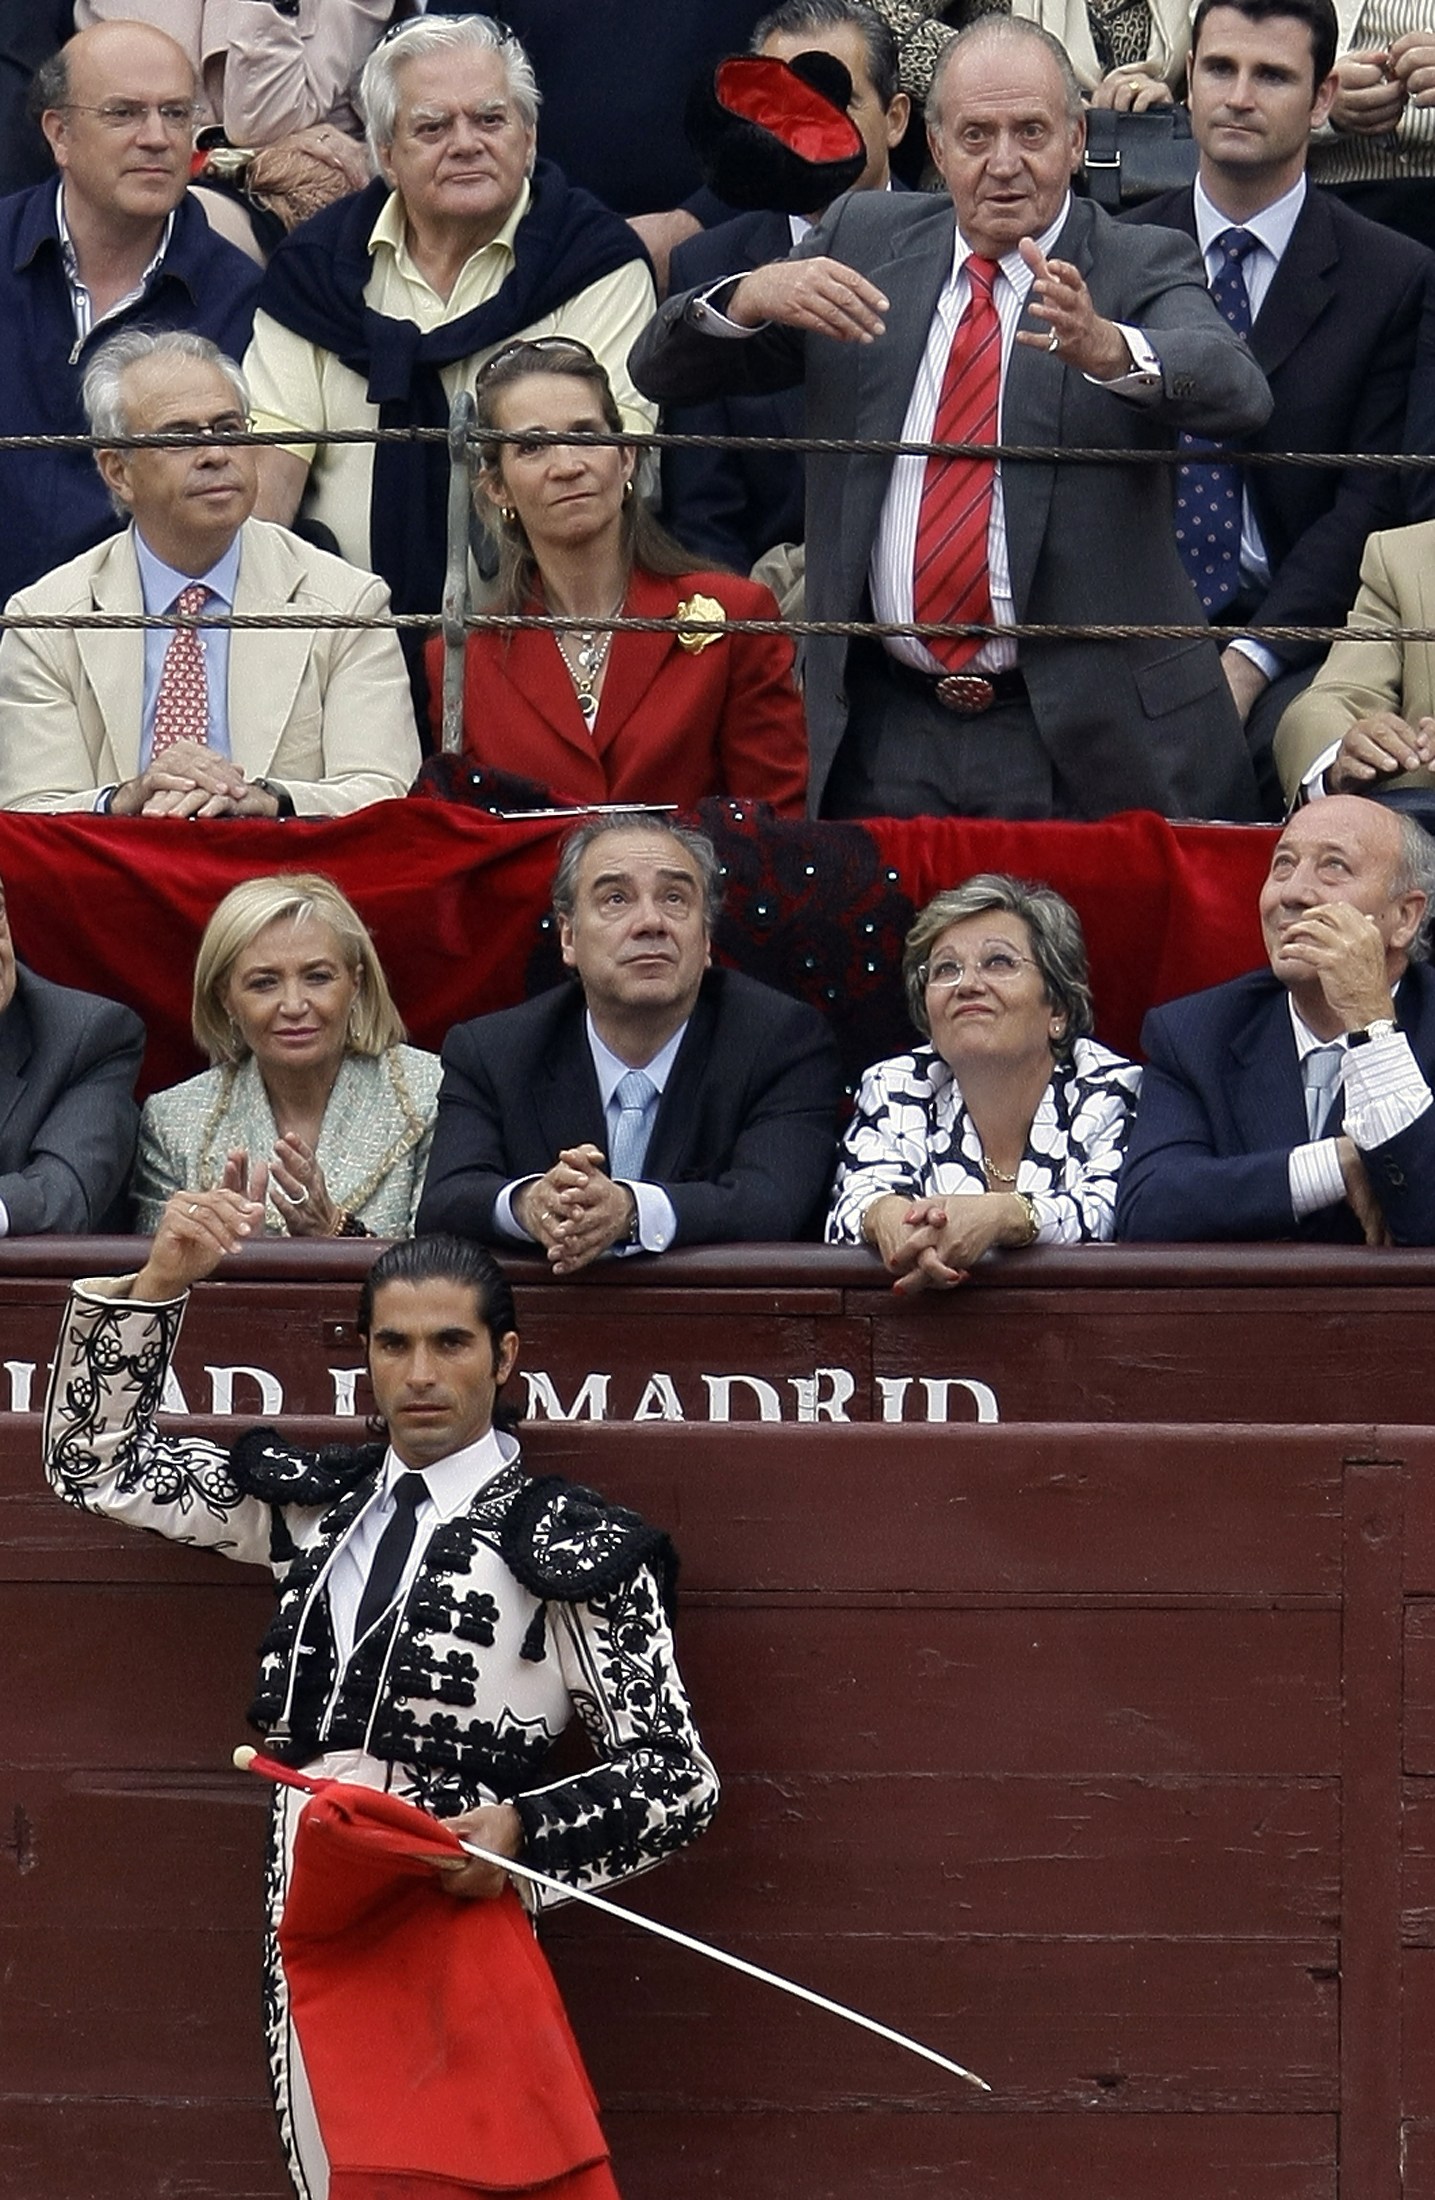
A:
{"points": [[103, 1450], [654, 1788]]}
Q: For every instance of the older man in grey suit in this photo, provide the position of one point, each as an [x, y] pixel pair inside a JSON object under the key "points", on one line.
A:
{"points": [[1092, 336], [67, 1111]]}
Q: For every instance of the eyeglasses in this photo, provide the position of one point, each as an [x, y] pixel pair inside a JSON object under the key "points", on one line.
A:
{"points": [[994, 966], [517, 346], [222, 429], [176, 116]]}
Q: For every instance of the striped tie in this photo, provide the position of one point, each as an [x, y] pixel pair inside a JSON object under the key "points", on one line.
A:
{"points": [[949, 577]]}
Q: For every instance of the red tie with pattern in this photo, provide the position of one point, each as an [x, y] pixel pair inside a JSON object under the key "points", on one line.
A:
{"points": [[949, 575], [181, 704]]}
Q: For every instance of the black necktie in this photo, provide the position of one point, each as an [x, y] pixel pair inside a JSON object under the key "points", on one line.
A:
{"points": [[394, 1545]]}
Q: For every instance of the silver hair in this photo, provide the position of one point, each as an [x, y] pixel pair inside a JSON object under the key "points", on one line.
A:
{"points": [[1414, 873], [102, 390], [1057, 944], [415, 41], [580, 840], [1004, 30]]}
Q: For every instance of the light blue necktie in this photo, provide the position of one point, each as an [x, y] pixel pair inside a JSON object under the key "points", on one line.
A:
{"points": [[634, 1094], [1321, 1073]]}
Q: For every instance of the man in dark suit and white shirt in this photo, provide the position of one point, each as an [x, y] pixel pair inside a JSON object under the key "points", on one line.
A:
{"points": [[67, 1112], [1101, 336], [1340, 314], [1296, 1102], [657, 1101]]}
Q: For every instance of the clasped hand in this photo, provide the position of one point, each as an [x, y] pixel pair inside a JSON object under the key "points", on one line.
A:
{"points": [[932, 1244], [190, 780], [575, 1211]]}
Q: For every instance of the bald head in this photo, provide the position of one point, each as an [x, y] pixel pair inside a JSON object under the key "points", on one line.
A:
{"points": [[117, 108]]}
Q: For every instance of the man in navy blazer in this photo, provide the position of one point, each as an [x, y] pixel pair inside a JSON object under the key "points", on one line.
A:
{"points": [[656, 1102], [1296, 1102], [67, 1113], [1343, 329]]}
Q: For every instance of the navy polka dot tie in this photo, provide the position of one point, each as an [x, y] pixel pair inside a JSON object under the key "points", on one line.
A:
{"points": [[1208, 498]]}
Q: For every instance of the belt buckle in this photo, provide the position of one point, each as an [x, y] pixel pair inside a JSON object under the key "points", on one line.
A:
{"points": [[966, 693]]}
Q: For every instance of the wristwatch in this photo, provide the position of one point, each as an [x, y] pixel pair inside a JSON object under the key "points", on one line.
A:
{"points": [[1381, 1028]]}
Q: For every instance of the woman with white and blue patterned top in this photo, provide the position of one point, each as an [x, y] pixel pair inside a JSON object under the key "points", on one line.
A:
{"points": [[1009, 1127]]}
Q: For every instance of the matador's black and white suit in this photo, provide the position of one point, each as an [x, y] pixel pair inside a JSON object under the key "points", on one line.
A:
{"points": [[533, 1601]]}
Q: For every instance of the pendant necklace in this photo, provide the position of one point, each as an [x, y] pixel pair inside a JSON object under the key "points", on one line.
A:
{"points": [[585, 654]]}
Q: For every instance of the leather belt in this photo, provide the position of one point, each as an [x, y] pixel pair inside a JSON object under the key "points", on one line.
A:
{"points": [[965, 694]]}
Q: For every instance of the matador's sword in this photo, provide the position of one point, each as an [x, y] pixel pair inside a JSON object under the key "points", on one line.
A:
{"points": [[250, 1760]]}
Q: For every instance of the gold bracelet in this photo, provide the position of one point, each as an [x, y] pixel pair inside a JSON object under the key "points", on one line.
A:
{"points": [[1028, 1206]]}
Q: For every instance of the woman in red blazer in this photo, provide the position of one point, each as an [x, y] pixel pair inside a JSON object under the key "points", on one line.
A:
{"points": [[592, 715]]}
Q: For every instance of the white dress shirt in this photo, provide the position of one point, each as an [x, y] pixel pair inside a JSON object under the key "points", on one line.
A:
{"points": [[453, 1483], [894, 550], [1385, 1090]]}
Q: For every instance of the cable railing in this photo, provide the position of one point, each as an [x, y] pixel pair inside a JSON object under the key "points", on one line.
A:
{"points": [[459, 615]]}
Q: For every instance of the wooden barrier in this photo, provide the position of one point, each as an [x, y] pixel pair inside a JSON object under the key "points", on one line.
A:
{"points": [[1084, 1753], [811, 1333]]}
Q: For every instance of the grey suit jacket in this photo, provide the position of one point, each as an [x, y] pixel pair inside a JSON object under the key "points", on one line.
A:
{"points": [[1128, 724], [67, 1113]]}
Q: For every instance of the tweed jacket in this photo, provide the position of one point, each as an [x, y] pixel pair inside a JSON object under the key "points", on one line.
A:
{"points": [[373, 1146], [557, 1593]]}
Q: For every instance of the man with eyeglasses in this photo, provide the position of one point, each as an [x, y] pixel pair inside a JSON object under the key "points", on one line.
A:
{"points": [[192, 722], [375, 312], [114, 243]]}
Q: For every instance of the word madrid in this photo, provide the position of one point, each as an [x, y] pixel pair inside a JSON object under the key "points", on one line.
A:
{"points": [[827, 1394]]}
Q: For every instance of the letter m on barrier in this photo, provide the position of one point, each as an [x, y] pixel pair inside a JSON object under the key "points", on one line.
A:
{"points": [[544, 1403]]}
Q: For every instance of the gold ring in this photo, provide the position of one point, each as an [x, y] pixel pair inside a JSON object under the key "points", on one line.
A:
{"points": [[1053, 342]]}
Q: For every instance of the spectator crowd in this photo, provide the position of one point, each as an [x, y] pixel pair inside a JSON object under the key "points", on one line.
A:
{"points": [[1067, 571]]}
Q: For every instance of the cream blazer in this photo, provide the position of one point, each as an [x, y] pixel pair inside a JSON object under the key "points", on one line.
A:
{"points": [[326, 714], [1397, 588]]}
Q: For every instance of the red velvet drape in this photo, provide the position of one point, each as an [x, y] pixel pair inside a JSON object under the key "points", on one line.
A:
{"points": [[456, 900]]}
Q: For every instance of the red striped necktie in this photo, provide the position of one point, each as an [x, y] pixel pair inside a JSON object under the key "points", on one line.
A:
{"points": [[949, 579]]}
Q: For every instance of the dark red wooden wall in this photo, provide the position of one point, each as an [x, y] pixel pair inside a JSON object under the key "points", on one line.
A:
{"points": [[1100, 1756]]}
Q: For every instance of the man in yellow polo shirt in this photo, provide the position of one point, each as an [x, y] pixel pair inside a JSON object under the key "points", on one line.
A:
{"points": [[375, 312]]}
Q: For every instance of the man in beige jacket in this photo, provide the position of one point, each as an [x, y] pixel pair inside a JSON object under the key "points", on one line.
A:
{"points": [[209, 722], [1367, 722]]}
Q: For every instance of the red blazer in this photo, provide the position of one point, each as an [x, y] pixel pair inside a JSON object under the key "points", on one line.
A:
{"points": [[673, 725]]}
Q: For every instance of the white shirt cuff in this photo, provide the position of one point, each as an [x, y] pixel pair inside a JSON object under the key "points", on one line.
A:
{"points": [[1316, 1177], [657, 1222], [505, 1219], [1143, 381], [1265, 660], [1313, 786], [4, 1219], [1384, 1090], [711, 319]]}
